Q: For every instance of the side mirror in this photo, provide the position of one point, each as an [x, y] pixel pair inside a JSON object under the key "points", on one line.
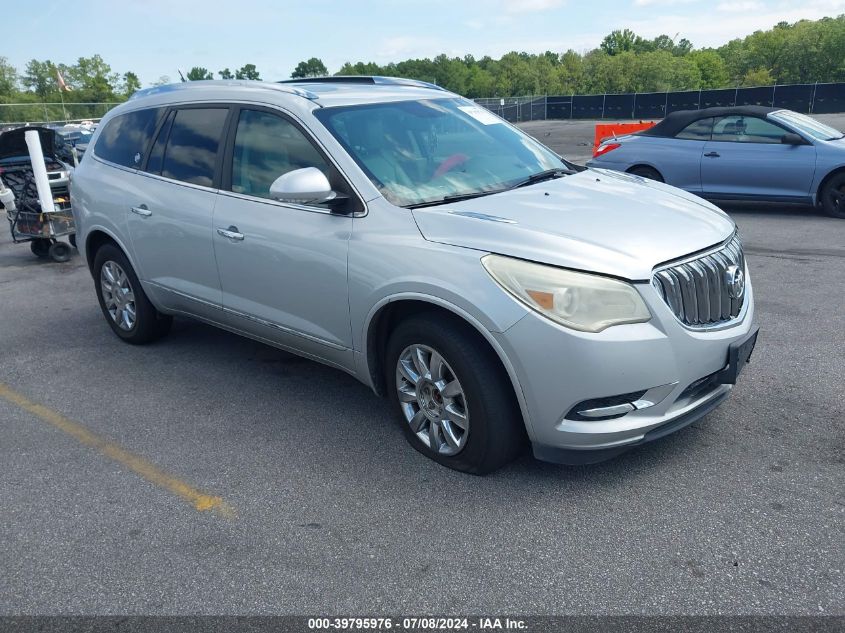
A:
{"points": [[303, 186], [791, 138]]}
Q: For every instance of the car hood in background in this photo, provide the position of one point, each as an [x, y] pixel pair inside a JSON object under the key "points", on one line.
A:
{"points": [[597, 220], [13, 142]]}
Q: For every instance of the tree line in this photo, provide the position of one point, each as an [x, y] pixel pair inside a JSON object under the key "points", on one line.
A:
{"points": [[801, 52]]}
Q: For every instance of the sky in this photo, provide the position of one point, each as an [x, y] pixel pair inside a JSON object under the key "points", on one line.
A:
{"points": [[155, 37]]}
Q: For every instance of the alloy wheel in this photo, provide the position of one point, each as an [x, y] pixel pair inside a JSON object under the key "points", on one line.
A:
{"points": [[118, 296], [432, 399]]}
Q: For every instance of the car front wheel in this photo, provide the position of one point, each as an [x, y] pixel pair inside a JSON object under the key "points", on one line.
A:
{"points": [[455, 402]]}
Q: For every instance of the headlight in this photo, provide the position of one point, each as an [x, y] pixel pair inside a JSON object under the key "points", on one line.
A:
{"points": [[580, 301]]}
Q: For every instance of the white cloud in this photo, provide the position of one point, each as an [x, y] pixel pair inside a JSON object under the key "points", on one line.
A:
{"points": [[532, 6], [402, 47], [739, 7], [664, 3]]}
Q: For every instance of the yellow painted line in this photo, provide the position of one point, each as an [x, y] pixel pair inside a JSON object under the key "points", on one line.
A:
{"points": [[135, 463]]}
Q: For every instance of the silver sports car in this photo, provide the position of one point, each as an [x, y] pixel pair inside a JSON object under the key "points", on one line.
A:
{"points": [[738, 153]]}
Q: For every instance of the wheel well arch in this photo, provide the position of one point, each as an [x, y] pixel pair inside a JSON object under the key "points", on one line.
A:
{"points": [[93, 242], [392, 313], [634, 166], [833, 172]]}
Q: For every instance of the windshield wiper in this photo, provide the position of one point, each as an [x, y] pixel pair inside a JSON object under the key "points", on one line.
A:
{"points": [[548, 174], [454, 197]]}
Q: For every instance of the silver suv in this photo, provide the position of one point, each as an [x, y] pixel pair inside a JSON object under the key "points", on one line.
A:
{"points": [[497, 294]]}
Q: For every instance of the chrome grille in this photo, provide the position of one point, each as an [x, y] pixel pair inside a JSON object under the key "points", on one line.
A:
{"points": [[697, 290]]}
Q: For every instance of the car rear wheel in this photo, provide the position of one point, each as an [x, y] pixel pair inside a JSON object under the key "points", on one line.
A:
{"points": [[833, 196], [127, 309], [455, 402], [646, 172]]}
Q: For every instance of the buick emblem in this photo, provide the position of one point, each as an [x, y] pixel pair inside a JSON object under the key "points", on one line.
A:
{"points": [[735, 280]]}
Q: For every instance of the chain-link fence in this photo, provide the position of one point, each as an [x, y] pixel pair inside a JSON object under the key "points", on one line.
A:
{"points": [[34, 113], [819, 98]]}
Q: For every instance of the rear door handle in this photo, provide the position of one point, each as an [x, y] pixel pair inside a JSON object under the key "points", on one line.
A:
{"points": [[231, 233], [141, 210], [712, 154]]}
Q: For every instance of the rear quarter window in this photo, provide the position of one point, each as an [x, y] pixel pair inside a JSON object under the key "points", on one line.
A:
{"points": [[698, 131], [126, 137]]}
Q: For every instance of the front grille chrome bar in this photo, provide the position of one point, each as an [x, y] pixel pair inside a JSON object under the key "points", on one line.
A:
{"points": [[702, 291]]}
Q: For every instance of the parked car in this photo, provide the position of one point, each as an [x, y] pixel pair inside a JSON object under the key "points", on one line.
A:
{"points": [[77, 137], [14, 157], [441, 256], [741, 153]]}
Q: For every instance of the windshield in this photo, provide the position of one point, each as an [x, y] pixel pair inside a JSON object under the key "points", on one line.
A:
{"points": [[418, 152], [807, 125]]}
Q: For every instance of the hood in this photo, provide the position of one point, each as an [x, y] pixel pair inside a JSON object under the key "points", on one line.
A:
{"points": [[597, 220], [13, 142]]}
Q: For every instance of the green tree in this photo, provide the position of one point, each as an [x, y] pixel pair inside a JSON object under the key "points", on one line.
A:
{"points": [[622, 41], [758, 77], [93, 78], [131, 84], [40, 77], [198, 73], [247, 71], [225, 74], [8, 79], [712, 68], [313, 67]]}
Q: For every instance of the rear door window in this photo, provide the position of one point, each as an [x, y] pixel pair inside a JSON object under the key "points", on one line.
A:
{"points": [[127, 137], [193, 145]]}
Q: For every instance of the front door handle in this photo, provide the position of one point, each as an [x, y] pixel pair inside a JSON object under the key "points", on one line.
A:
{"points": [[231, 233], [141, 210], [712, 154]]}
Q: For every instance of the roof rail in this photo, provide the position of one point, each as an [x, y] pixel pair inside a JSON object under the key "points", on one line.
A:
{"points": [[211, 83], [364, 79]]}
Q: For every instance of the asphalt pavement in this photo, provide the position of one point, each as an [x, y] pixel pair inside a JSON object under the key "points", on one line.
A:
{"points": [[328, 510]]}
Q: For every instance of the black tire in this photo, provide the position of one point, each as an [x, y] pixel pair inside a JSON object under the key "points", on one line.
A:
{"points": [[72, 239], [495, 433], [832, 196], [150, 324], [646, 172], [40, 247], [60, 252]]}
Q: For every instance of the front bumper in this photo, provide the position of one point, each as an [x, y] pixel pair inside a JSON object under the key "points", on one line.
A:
{"points": [[559, 368]]}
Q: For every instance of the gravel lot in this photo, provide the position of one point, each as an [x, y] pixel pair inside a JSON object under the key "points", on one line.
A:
{"points": [[741, 513]]}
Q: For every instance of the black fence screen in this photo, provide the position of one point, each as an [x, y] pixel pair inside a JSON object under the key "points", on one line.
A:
{"points": [[807, 98], [587, 106], [650, 105], [828, 98], [798, 97], [559, 107]]}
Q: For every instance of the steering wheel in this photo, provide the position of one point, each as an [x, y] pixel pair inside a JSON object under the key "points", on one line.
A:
{"points": [[449, 163]]}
